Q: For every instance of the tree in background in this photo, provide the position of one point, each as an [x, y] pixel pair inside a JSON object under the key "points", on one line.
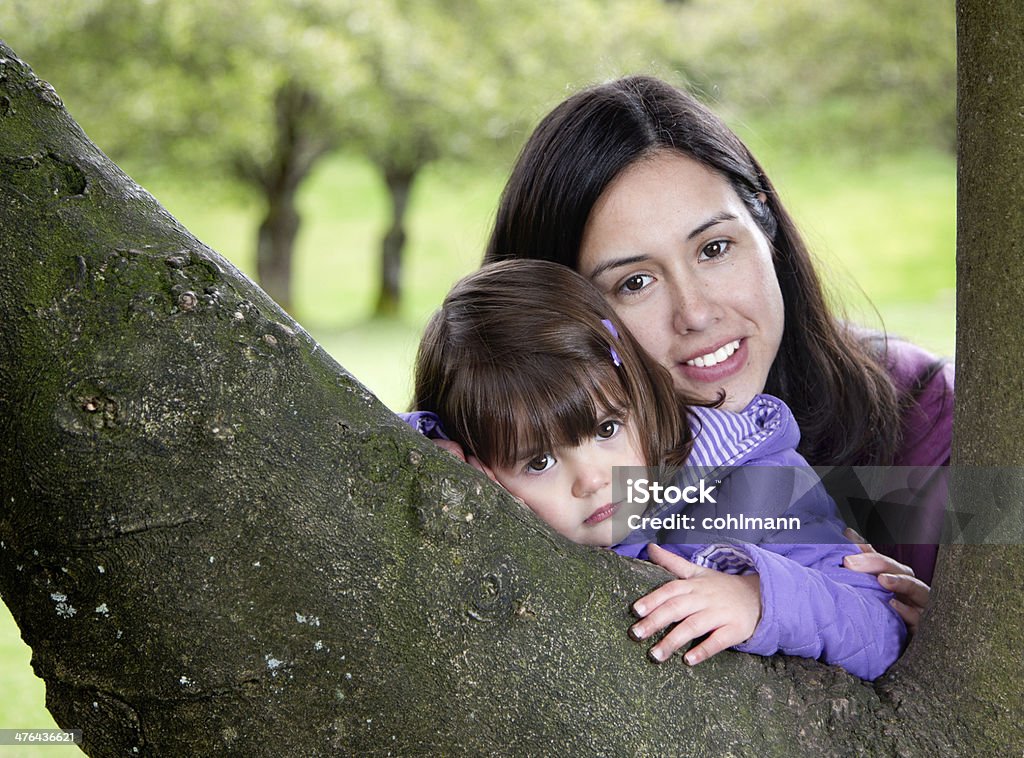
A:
{"points": [[464, 80], [244, 90], [261, 91]]}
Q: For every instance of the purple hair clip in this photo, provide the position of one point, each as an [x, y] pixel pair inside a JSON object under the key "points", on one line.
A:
{"points": [[611, 328]]}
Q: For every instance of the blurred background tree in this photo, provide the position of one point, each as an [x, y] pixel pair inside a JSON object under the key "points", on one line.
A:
{"points": [[257, 93], [260, 91], [241, 92]]}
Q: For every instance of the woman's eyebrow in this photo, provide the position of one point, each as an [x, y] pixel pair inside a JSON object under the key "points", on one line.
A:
{"points": [[616, 263], [718, 218]]}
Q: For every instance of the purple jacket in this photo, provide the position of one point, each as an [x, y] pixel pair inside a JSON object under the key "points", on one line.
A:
{"points": [[811, 606]]}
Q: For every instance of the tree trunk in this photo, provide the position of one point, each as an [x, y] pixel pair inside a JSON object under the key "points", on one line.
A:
{"points": [[216, 541], [399, 181], [298, 145], [275, 245]]}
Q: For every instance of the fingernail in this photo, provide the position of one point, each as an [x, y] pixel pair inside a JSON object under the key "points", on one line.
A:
{"points": [[637, 633], [691, 659], [886, 580], [853, 560], [658, 654], [640, 609]]}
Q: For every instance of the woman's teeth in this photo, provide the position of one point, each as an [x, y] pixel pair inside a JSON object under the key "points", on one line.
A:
{"points": [[711, 359]]}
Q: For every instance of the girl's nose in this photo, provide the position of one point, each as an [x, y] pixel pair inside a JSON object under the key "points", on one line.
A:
{"points": [[590, 478]]}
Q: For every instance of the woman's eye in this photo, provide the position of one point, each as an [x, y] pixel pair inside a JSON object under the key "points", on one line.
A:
{"points": [[636, 282], [715, 249], [541, 463], [608, 429]]}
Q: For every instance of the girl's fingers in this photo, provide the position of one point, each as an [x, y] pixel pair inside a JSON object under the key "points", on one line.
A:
{"points": [[660, 596], [721, 639], [908, 590], [669, 612], [674, 563], [690, 628]]}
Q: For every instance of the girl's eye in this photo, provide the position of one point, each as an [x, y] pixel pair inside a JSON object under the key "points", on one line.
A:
{"points": [[635, 283], [714, 249], [608, 429], [542, 462]]}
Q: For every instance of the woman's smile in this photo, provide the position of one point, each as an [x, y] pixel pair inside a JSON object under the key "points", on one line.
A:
{"points": [[714, 357], [714, 366]]}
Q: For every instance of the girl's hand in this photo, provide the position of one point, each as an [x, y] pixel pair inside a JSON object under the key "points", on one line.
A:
{"points": [[911, 593], [700, 601]]}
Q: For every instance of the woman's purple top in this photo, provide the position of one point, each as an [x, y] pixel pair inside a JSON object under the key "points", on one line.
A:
{"points": [[927, 431]]}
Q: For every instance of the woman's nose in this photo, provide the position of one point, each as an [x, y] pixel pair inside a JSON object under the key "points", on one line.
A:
{"points": [[693, 309]]}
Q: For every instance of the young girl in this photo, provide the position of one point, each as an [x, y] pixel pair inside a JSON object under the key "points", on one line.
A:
{"points": [[529, 370]]}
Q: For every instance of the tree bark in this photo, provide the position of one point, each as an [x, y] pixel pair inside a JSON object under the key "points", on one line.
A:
{"points": [[216, 541], [399, 180]]}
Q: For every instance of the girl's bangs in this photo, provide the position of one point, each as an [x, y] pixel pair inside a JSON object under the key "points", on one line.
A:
{"points": [[510, 416]]}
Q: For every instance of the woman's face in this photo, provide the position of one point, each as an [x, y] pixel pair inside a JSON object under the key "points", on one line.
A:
{"points": [[674, 250]]}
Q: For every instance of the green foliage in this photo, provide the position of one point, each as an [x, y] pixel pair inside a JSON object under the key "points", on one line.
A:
{"points": [[191, 83], [187, 84], [872, 75]]}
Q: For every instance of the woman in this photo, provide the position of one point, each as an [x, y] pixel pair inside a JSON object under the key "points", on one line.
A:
{"points": [[650, 196]]}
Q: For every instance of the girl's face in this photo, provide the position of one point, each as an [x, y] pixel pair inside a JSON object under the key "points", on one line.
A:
{"points": [[570, 488], [673, 249]]}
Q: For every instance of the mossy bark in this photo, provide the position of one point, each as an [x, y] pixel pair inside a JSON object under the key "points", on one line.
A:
{"points": [[217, 542]]}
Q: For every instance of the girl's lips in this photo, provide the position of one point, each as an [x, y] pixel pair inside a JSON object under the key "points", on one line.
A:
{"points": [[720, 371], [602, 513]]}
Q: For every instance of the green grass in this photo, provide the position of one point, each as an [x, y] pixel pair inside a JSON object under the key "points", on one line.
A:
{"points": [[885, 236], [22, 693], [883, 231]]}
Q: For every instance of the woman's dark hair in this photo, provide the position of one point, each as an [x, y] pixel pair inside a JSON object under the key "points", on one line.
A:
{"points": [[846, 405], [518, 362]]}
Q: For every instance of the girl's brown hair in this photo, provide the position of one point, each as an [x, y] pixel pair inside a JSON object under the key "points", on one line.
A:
{"points": [[518, 362]]}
